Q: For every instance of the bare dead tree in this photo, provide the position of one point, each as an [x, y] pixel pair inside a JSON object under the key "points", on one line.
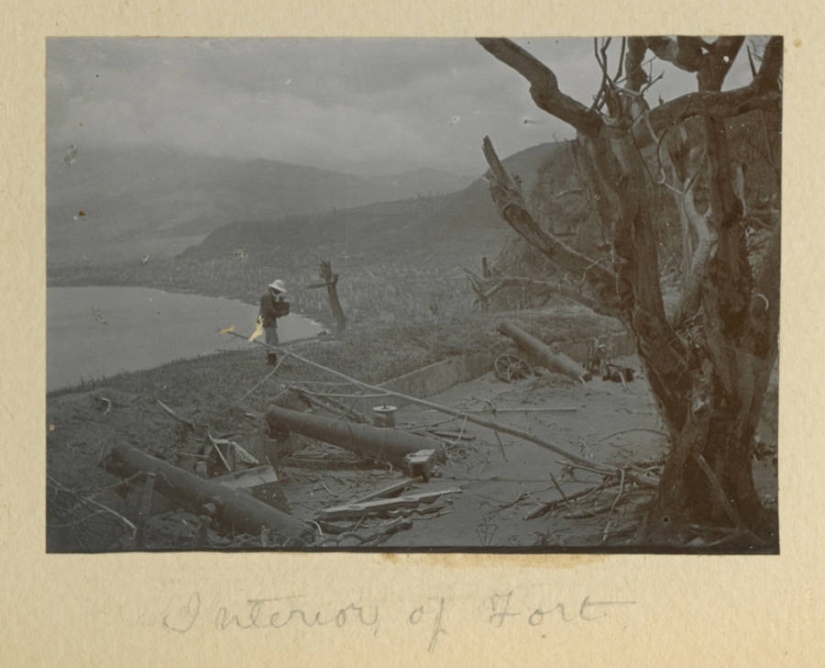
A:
{"points": [[709, 363], [330, 282]]}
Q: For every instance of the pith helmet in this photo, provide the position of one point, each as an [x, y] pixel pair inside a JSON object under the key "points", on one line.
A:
{"points": [[278, 285]]}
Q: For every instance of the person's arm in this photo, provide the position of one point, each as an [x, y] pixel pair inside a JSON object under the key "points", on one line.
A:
{"points": [[281, 308]]}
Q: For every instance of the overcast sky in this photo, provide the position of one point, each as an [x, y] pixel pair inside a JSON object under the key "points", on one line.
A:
{"points": [[356, 105]]}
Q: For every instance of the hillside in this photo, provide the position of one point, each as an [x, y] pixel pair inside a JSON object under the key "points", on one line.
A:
{"points": [[423, 182], [457, 225], [108, 205], [404, 253]]}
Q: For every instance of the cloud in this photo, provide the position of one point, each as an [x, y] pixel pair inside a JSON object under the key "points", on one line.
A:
{"points": [[364, 105]]}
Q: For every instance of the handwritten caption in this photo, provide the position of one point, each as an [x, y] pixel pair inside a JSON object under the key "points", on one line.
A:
{"points": [[432, 615]]}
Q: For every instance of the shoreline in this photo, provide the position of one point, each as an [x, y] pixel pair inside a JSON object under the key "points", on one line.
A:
{"points": [[150, 328]]}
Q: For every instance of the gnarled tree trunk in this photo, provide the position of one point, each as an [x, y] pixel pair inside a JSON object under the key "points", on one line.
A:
{"points": [[330, 282], [709, 364]]}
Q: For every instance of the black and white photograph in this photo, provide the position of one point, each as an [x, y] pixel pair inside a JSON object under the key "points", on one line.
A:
{"points": [[493, 295]]}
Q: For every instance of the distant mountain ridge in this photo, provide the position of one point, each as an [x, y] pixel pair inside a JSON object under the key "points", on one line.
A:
{"points": [[107, 205], [421, 237], [421, 182], [463, 223]]}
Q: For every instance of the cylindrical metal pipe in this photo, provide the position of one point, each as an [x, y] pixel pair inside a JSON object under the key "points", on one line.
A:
{"points": [[384, 416], [242, 512], [388, 445], [555, 361]]}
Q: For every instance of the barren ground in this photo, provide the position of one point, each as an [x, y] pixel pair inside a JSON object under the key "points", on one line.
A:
{"points": [[500, 484]]}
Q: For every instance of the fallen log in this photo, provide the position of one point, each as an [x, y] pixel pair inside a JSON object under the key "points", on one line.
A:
{"points": [[387, 445], [233, 509], [555, 361]]}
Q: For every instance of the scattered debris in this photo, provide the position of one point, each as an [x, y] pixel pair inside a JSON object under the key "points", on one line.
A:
{"points": [[99, 316], [618, 374], [326, 462], [526, 409], [384, 532], [449, 435], [547, 507], [384, 416], [231, 454], [393, 527], [330, 405], [174, 415], [508, 368], [495, 426], [486, 530], [555, 360], [399, 486], [236, 513], [598, 356], [248, 479], [355, 510], [420, 464], [106, 402]]}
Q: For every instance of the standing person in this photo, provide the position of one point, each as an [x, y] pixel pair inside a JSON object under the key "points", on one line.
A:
{"points": [[273, 306]]}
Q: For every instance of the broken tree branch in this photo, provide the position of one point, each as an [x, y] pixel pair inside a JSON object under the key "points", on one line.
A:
{"points": [[769, 72], [327, 403], [220, 454], [713, 103], [175, 415], [511, 205], [547, 507], [762, 93], [480, 287], [259, 383], [85, 500], [544, 87], [710, 60]]}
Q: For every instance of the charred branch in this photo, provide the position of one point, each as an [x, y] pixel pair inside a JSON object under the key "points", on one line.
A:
{"points": [[710, 60], [486, 289], [768, 78], [725, 104], [510, 202], [544, 87], [762, 93], [330, 282], [636, 76]]}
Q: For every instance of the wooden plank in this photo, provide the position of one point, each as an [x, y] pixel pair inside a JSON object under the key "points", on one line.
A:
{"points": [[248, 478], [386, 491], [353, 510]]}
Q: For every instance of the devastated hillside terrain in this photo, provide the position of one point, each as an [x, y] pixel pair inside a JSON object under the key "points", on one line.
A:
{"points": [[576, 351], [411, 319], [491, 491]]}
